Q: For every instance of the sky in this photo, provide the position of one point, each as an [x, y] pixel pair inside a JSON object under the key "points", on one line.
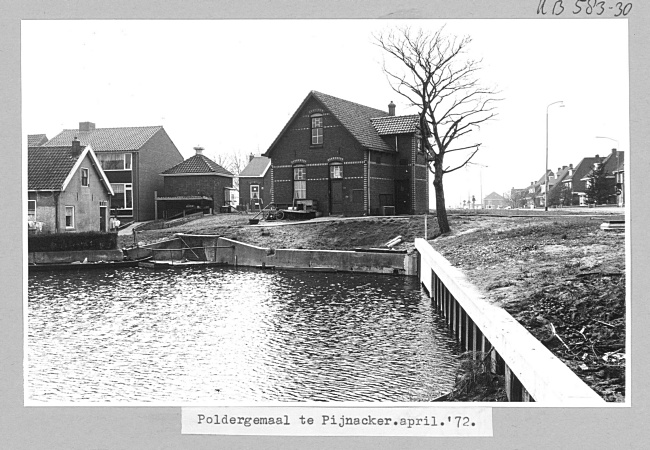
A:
{"points": [[233, 85]]}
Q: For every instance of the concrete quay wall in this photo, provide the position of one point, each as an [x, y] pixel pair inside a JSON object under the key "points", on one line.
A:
{"points": [[235, 253]]}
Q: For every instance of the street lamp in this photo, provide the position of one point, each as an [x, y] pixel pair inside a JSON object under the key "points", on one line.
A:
{"points": [[546, 172]]}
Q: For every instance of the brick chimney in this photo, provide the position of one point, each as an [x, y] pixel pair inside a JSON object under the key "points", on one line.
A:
{"points": [[86, 126], [391, 108], [199, 150], [76, 148], [250, 157]]}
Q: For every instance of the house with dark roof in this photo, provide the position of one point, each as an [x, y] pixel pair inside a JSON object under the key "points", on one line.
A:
{"points": [[619, 175], [67, 190], [255, 183], [611, 164], [196, 184], [343, 158], [132, 158], [574, 180]]}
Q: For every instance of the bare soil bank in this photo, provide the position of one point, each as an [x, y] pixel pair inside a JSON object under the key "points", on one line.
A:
{"points": [[557, 273], [562, 278]]}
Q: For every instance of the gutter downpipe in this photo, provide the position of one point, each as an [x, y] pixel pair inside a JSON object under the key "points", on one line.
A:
{"points": [[368, 182], [56, 210]]}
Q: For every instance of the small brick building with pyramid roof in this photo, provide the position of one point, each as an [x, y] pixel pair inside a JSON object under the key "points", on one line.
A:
{"points": [[196, 184]]}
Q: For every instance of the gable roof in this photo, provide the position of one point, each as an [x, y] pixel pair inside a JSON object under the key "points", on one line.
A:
{"points": [[358, 120], [396, 124], [107, 139], [51, 168], [198, 164], [611, 164], [35, 140], [494, 196], [256, 167]]}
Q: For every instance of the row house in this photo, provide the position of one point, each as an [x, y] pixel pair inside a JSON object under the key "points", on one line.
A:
{"points": [[132, 158], [613, 170], [343, 158], [568, 186], [67, 190]]}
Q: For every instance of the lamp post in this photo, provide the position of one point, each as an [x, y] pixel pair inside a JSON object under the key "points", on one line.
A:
{"points": [[546, 172]]}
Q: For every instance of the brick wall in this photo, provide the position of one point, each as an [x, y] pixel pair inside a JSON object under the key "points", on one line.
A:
{"points": [[207, 185], [368, 177], [265, 189], [157, 155], [338, 146]]}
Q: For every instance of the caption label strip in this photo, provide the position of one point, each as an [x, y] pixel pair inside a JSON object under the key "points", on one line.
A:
{"points": [[353, 421]]}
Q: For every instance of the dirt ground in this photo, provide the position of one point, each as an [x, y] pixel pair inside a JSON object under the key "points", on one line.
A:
{"points": [[558, 273], [562, 278]]}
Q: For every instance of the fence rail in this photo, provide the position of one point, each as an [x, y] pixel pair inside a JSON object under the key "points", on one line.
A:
{"points": [[531, 371]]}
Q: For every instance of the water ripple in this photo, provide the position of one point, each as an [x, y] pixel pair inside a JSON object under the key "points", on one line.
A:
{"points": [[219, 334]]}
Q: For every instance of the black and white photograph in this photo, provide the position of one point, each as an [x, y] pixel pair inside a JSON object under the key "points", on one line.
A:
{"points": [[326, 212]]}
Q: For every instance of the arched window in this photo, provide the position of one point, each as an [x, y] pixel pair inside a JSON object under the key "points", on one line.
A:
{"points": [[299, 182], [316, 129], [336, 171]]}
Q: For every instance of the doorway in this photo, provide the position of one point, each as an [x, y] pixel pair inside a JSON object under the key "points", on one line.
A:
{"points": [[102, 218], [402, 197], [336, 188]]}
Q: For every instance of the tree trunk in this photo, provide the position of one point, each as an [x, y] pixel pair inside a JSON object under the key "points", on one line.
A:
{"points": [[441, 208]]}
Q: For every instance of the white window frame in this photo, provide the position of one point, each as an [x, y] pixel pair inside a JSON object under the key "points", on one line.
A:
{"points": [[127, 187], [299, 182], [316, 129], [251, 191], [336, 171], [31, 212], [84, 170], [72, 221]]}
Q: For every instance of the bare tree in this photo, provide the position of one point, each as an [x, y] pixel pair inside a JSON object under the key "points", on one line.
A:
{"points": [[434, 74], [235, 162]]}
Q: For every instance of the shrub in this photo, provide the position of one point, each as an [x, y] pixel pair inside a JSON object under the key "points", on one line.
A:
{"points": [[59, 242]]}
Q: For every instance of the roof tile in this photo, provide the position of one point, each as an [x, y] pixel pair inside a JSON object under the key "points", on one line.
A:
{"points": [[198, 164], [357, 119], [48, 167], [256, 167], [107, 139], [395, 124], [35, 140]]}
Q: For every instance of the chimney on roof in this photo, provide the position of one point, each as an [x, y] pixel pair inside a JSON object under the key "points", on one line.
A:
{"points": [[86, 126], [250, 157], [199, 150], [597, 155], [391, 108], [570, 166], [614, 151], [76, 148]]}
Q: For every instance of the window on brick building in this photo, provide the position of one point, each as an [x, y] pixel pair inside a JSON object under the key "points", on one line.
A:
{"points": [[336, 171], [316, 129], [299, 182]]}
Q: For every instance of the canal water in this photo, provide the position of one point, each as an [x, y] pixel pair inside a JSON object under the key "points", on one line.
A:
{"points": [[209, 335]]}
